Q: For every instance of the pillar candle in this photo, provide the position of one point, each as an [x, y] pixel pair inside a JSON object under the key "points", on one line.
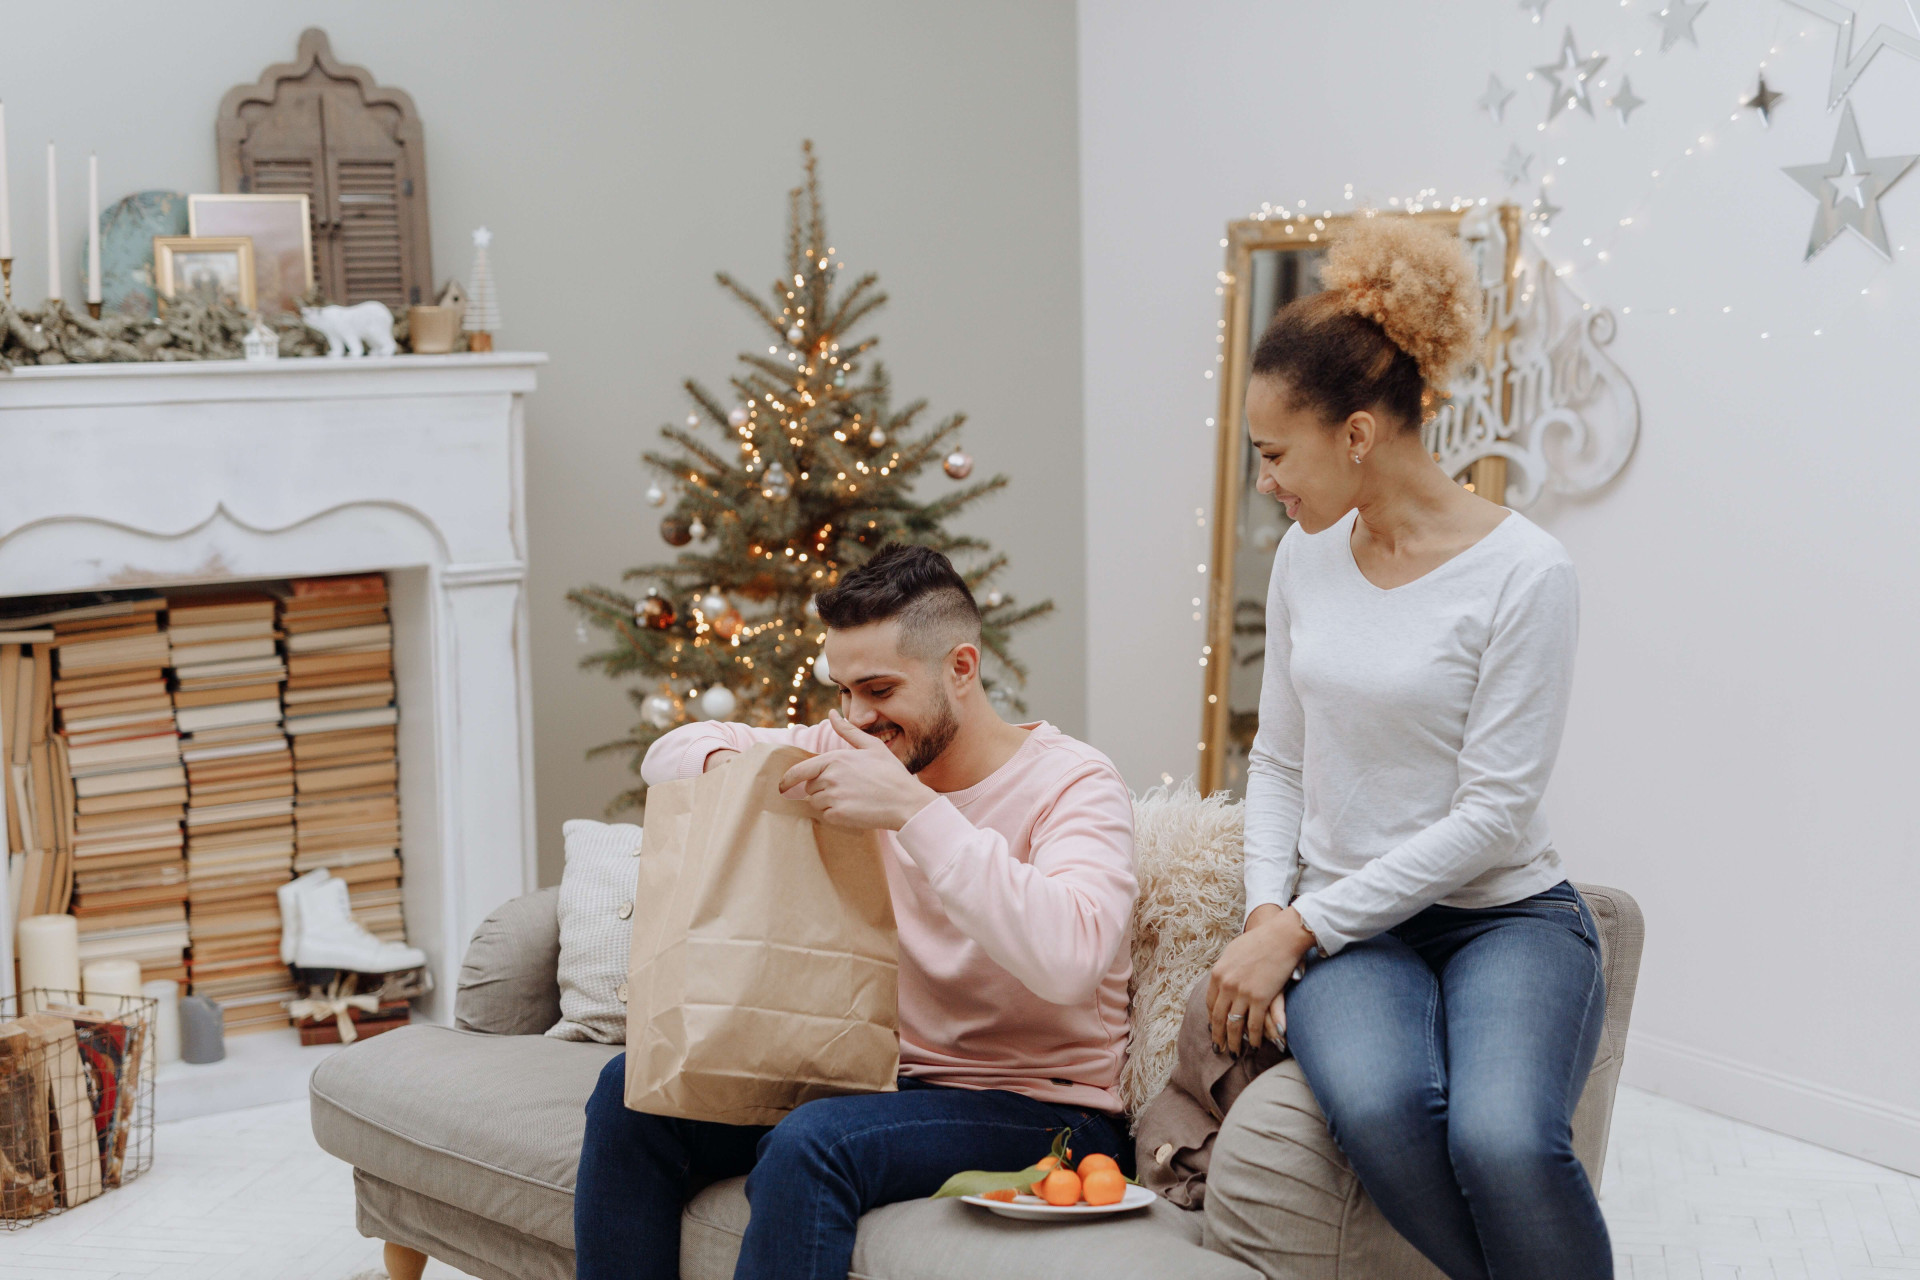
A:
{"points": [[166, 1017], [49, 957], [6, 197], [103, 981], [53, 229], [93, 228]]}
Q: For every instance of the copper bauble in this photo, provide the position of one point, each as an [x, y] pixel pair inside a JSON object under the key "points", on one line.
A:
{"points": [[958, 465], [655, 612], [676, 531], [729, 624]]}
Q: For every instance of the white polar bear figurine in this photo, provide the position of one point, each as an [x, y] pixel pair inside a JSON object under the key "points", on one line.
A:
{"points": [[365, 327]]}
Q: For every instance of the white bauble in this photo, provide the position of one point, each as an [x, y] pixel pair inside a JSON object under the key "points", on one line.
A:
{"points": [[796, 335], [693, 419], [813, 611], [697, 530], [878, 438], [820, 671], [656, 496], [718, 702], [737, 416], [994, 600], [713, 604], [657, 710]]}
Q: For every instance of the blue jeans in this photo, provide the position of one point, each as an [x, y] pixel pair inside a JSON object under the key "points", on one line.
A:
{"points": [[1448, 1054], [809, 1178]]}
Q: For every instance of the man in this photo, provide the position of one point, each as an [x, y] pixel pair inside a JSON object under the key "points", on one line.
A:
{"points": [[1009, 853]]}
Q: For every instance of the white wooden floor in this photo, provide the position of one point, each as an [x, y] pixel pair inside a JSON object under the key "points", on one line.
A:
{"points": [[1689, 1195]]}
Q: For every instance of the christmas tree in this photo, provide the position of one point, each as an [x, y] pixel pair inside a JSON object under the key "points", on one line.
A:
{"points": [[812, 472]]}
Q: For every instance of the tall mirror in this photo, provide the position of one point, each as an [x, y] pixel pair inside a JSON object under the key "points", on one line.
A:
{"points": [[1270, 262]]}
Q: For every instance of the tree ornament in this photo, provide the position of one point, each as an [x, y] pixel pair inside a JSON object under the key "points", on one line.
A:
{"points": [[693, 419], [796, 335], [675, 531], [776, 484], [878, 439], [958, 465], [812, 609], [994, 599], [713, 604], [657, 710], [697, 530], [729, 624], [718, 702], [820, 671], [656, 496], [839, 377], [655, 612], [737, 416]]}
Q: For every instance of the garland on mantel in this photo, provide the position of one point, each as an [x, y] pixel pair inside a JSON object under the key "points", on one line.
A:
{"points": [[190, 330]]}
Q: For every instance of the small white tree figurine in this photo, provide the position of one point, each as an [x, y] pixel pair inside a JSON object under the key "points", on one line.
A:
{"points": [[483, 306]]}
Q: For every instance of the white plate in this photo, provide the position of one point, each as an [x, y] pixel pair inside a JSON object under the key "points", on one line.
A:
{"points": [[1034, 1208]]}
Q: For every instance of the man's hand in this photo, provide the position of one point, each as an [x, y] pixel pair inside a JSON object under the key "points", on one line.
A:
{"points": [[717, 757], [1243, 991], [867, 789]]}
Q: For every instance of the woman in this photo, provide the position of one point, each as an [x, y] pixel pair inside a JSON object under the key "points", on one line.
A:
{"points": [[1419, 653]]}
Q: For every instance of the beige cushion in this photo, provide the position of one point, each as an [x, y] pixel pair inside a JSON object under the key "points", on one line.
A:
{"points": [[488, 1124], [507, 985], [1281, 1196], [1187, 857], [596, 929], [947, 1240]]}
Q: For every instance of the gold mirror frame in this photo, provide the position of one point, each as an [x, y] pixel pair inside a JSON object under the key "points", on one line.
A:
{"points": [[1488, 476]]}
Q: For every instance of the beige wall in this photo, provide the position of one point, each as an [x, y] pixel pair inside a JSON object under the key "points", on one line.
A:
{"points": [[622, 153]]}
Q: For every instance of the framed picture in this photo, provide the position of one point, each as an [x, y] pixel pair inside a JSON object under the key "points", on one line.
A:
{"points": [[282, 241], [207, 266]]}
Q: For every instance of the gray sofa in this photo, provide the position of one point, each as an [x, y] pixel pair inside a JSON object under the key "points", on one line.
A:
{"points": [[464, 1139]]}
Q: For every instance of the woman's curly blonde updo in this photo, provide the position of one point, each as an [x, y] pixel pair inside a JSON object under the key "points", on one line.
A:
{"points": [[1398, 316]]}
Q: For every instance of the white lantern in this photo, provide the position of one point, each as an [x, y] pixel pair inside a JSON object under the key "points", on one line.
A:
{"points": [[261, 343]]}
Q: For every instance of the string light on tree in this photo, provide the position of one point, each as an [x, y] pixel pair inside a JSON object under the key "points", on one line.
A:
{"points": [[812, 471]]}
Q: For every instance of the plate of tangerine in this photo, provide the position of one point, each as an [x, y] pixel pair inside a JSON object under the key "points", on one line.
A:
{"points": [[1094, 1188]]}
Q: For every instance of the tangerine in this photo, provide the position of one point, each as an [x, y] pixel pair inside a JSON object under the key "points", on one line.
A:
{"points": [[1061, 1187], [1047, 1164], [1104, 1185], [1096, 1161], [1005, 1194]]}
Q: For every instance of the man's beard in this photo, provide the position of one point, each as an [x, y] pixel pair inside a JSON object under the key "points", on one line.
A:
{"points": [[924, 748]]}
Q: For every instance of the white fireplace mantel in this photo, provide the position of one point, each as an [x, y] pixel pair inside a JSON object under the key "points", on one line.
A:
{"points": [[153, 475]]}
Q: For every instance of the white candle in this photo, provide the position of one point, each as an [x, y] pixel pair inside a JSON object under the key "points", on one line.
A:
{"points": [[166, 1018], [6, 199], [93, 228], [103, 982], [53, 230], [49, 957]]}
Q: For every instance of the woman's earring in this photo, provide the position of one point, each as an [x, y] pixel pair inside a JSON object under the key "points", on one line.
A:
{"points": [[1356, 459]]}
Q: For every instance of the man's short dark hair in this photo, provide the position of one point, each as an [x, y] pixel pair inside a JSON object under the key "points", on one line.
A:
{"points": [[916, 585]]}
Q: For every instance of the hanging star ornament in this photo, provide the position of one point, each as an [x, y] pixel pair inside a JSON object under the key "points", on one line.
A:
{"points": [[1539, 7], [1626, 102], [1494, 100], [1763, 101], [1572, 93], [1544, 210], [1514, 167], [1847, 65], [1848, 184], [1677, 20]]}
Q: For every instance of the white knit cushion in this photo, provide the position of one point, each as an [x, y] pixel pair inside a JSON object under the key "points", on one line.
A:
{"points": [[1187, 857], [596, 929]]}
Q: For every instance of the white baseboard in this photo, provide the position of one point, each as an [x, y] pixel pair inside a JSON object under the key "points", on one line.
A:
{"points": [[1831, 1118]]}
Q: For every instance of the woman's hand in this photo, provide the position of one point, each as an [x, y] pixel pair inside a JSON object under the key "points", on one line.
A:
{"points": [[1243, 991]]}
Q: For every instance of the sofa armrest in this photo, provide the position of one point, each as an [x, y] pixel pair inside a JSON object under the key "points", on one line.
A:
{"points": [[509, 984]]}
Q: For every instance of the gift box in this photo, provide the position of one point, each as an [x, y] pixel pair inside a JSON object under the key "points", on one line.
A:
{"points": [[325, 1028]]}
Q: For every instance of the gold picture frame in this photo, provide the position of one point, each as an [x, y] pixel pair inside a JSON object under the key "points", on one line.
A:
{"points": [[281, 229], [221, 264]]}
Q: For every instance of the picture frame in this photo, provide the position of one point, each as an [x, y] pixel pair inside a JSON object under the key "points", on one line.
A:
{"points": [[224, 264], [281, 229]]}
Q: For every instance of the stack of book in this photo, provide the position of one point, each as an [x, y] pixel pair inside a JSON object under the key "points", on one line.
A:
{"points": [[122, 754], [341, 717], [239, 821]]}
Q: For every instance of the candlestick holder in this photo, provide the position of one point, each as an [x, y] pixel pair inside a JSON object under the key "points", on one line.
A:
{"points": [[6, 275], [93, 309]]}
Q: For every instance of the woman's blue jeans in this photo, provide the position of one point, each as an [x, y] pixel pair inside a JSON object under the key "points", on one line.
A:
{"points": [[1448, 1054], [809, 1178]]}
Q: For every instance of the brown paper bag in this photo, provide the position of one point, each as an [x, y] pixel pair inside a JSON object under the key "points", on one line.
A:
{"points": [[764, 967]]}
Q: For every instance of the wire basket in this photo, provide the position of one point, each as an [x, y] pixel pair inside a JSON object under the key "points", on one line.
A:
{"points": [[76, 1099]]}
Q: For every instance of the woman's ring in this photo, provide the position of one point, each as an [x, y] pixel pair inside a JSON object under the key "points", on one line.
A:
{"points": [[1236, 1017]]}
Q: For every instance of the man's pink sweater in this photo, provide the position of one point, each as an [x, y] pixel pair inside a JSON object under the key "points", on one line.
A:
{"points": [[1013, 900]]}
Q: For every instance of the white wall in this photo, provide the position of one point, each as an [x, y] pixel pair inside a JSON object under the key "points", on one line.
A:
{"points": [[1741, 750], [622, 153]]}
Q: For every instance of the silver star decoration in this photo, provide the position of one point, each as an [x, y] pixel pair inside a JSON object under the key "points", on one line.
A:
{"points": [[1677, 20], [1538, 6], [1494, 100], [1847, 65], [1626, 102], [1848, 184], [1514, 167], [1544, 210], [1574, 93], [1763, 101]]}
